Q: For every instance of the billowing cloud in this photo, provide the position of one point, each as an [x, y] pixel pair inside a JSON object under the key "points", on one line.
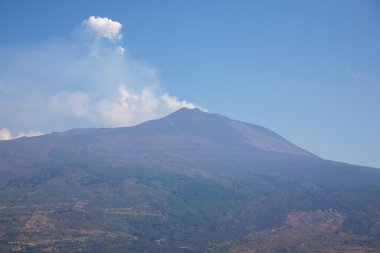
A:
{"points": [[5, 134], [104, 27], [67, 83], [173, 103], [129, 108], [132, 108]]}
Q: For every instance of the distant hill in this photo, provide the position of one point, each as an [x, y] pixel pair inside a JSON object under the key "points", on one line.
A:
{"points": [[189, 182]]}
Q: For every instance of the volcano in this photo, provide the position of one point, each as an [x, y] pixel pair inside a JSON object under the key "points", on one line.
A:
{"points": [[192, 181]]}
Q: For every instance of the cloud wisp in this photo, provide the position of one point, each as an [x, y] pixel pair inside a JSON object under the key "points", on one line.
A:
{"points": [[68, 83]]}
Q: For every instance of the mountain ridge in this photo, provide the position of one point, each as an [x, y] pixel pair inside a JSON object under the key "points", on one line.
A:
{"points": [[185, 116], [188, 182]]}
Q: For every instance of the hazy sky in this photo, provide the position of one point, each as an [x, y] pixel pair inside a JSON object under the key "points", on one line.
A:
{"points": [[309, 70]]}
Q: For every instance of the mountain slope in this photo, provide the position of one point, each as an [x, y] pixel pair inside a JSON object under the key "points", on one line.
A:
{"points": [[189, 182], [220, 129]]}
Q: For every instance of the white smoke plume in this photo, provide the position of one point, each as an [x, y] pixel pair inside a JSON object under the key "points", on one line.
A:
{"points": [[5, 134], [103, 27], [63, 84]]}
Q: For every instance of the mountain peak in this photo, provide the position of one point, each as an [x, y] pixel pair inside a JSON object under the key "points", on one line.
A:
{"points": [[220, 129], [187, 111], [184, 109], [189, 114]]}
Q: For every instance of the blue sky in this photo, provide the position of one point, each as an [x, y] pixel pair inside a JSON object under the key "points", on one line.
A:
{"points": [[309, 70]]}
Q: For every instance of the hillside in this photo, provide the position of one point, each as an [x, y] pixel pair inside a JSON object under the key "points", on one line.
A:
{"points": [[189, 182]]}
